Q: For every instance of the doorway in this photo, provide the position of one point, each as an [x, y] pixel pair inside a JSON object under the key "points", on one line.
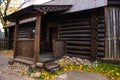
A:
{"points": [[53, 35]]}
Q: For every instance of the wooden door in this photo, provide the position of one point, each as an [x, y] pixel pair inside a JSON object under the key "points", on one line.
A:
{"points": [[53, 35]]}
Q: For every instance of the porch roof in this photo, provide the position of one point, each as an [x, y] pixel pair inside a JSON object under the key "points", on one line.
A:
{"points": [[33, 9]]}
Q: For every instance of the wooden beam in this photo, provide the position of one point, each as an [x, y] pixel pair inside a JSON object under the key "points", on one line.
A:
{"points": [[15, 39], [94, 38], [25, 61], [106, 32], [37, 38]]}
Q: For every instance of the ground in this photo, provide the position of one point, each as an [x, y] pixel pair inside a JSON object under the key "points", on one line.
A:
{"points": [[5, 73], [79, 75]]}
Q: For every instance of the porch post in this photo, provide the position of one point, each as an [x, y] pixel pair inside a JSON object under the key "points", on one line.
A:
{"points": [[37, 38], [15, 39]]}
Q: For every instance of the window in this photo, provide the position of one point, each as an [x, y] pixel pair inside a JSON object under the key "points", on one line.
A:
{"points": [[26, 33], [31, 33]]}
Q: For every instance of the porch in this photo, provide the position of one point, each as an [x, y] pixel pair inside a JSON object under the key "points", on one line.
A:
{"points": [[34, 42]]}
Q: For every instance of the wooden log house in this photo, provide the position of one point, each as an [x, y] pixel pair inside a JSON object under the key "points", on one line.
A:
{"points": [[84, 28]]}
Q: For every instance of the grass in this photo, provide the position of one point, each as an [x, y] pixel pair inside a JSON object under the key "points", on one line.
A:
{"points": [[111, 71]]}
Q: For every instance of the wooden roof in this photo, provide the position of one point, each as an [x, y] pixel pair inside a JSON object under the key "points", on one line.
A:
{"points": [[33, 9], [79, 5], [21, 22], [67, 6]]}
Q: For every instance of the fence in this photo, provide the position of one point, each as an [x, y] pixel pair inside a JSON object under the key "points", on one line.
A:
{"points": [[3, 43]]}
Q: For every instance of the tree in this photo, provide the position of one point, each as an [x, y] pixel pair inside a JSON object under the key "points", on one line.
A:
{"points": [[9, 6]]}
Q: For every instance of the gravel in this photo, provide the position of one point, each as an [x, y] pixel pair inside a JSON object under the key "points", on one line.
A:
{"points": [[73, 60]]}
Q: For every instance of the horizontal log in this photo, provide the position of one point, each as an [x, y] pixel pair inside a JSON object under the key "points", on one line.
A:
{"points": [[78, 42], [100, 40], [75, 35], [75, 28], [78, 52], [25, 58], [100, 48], [78, 48], [101, 25], [101, 20], [25, 32], [101, 30], [101, 35], [75, 31], [75, 20], [100, 54], [76, 23], [24, 61], [76, 39], [101, 17], [101, 44]]}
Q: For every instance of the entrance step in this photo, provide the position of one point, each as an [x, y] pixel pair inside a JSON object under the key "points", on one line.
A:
{"points": [[51, 66]]}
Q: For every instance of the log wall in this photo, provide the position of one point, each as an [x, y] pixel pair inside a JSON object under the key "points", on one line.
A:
{"points": [[11, 37], [78, 32]]}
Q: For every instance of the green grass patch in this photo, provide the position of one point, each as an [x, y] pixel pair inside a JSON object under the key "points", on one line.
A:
{"points": [[111, 71]]}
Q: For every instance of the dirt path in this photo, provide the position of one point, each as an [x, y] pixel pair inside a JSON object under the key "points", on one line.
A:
{"points": [[4, 73], [79, 75]]}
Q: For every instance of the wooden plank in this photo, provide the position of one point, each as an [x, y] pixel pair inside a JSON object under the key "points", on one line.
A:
{"points": [[26, 48], [15, 39], [24, 61], [37, 38]]}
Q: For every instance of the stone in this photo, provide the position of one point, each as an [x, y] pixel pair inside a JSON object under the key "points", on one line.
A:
{"points": [[51, 66], [35, 75], [33, 67], [11, 62]]}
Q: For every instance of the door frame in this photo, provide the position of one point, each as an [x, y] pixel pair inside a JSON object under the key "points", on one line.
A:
{"points": [[48, 33]]}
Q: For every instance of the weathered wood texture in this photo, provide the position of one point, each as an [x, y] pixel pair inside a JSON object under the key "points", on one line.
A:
{"points": [[77, 32], [25, 30], [37, 38], [25, 43], [10, 38], [112, 15], [15, 39], [114, 2], [26, 48], [58, 48], [94, 37]]}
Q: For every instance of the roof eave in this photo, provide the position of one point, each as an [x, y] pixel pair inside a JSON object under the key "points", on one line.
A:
{"points": [[33, 8]]}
